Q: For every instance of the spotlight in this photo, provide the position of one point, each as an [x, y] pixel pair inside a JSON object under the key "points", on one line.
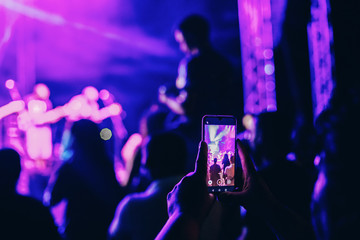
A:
{"points": [[91, 93], [42, 91], [269, 69], [104, 94], [10, 84], [248, 122], [105, 134]]}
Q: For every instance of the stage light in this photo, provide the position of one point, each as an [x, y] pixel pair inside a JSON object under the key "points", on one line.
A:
{"points": [[105, 134], [269, 69], [317, 160], [256, 40], [320, 39], [42, 91], [248, 122], [291, 156], [162, 89], [115, 109], [10, 84], [37, 106], [270, 86], [271, 107], [91, 93], [104, 94], [268, 53]]}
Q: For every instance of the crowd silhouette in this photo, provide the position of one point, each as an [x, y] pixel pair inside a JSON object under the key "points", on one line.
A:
{"points": [[281, 197]]}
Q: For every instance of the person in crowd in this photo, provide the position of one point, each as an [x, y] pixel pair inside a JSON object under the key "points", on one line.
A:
{"points": [[225, 163], [153, 121], [142, 215], [215, 171], [291, 184], [229, 171], [189, 203], [304, 148], [85, 106], [86, 182], [335, 205], [21, 217]]}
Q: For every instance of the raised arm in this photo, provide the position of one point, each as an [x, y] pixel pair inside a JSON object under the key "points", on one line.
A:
{"points": [[189, 203]]}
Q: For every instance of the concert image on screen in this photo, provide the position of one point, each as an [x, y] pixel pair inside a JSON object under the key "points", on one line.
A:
{"points": [[221, 154]]}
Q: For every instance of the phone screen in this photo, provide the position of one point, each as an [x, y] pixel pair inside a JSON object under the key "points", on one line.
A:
{"points": [[219, 132]]}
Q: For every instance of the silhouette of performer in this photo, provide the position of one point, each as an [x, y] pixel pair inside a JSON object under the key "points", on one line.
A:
{"points": [[205, 82], [205, 78]]}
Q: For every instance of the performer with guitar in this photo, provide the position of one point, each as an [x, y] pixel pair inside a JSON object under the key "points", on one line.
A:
{"points": [[205, 80]]}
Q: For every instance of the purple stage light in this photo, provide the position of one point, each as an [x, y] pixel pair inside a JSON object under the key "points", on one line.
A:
{"points": [[320, 39], [105, 134], [268, 53], [269, 69], [63, 42], [257, 56], [104, 94], [10, 84]]}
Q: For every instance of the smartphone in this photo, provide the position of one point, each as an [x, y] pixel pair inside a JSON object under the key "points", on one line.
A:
{"points": [[219, 132]]}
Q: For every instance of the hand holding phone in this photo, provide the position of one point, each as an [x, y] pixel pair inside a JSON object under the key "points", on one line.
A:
{"points": [[219, 132]]}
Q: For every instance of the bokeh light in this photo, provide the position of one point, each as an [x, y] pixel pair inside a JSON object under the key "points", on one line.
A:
{"points": [[10, 84], [105, 134]]}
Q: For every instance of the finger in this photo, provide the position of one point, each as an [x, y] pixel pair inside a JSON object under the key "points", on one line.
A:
{"points": [[246, 162], [201, 161]]}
